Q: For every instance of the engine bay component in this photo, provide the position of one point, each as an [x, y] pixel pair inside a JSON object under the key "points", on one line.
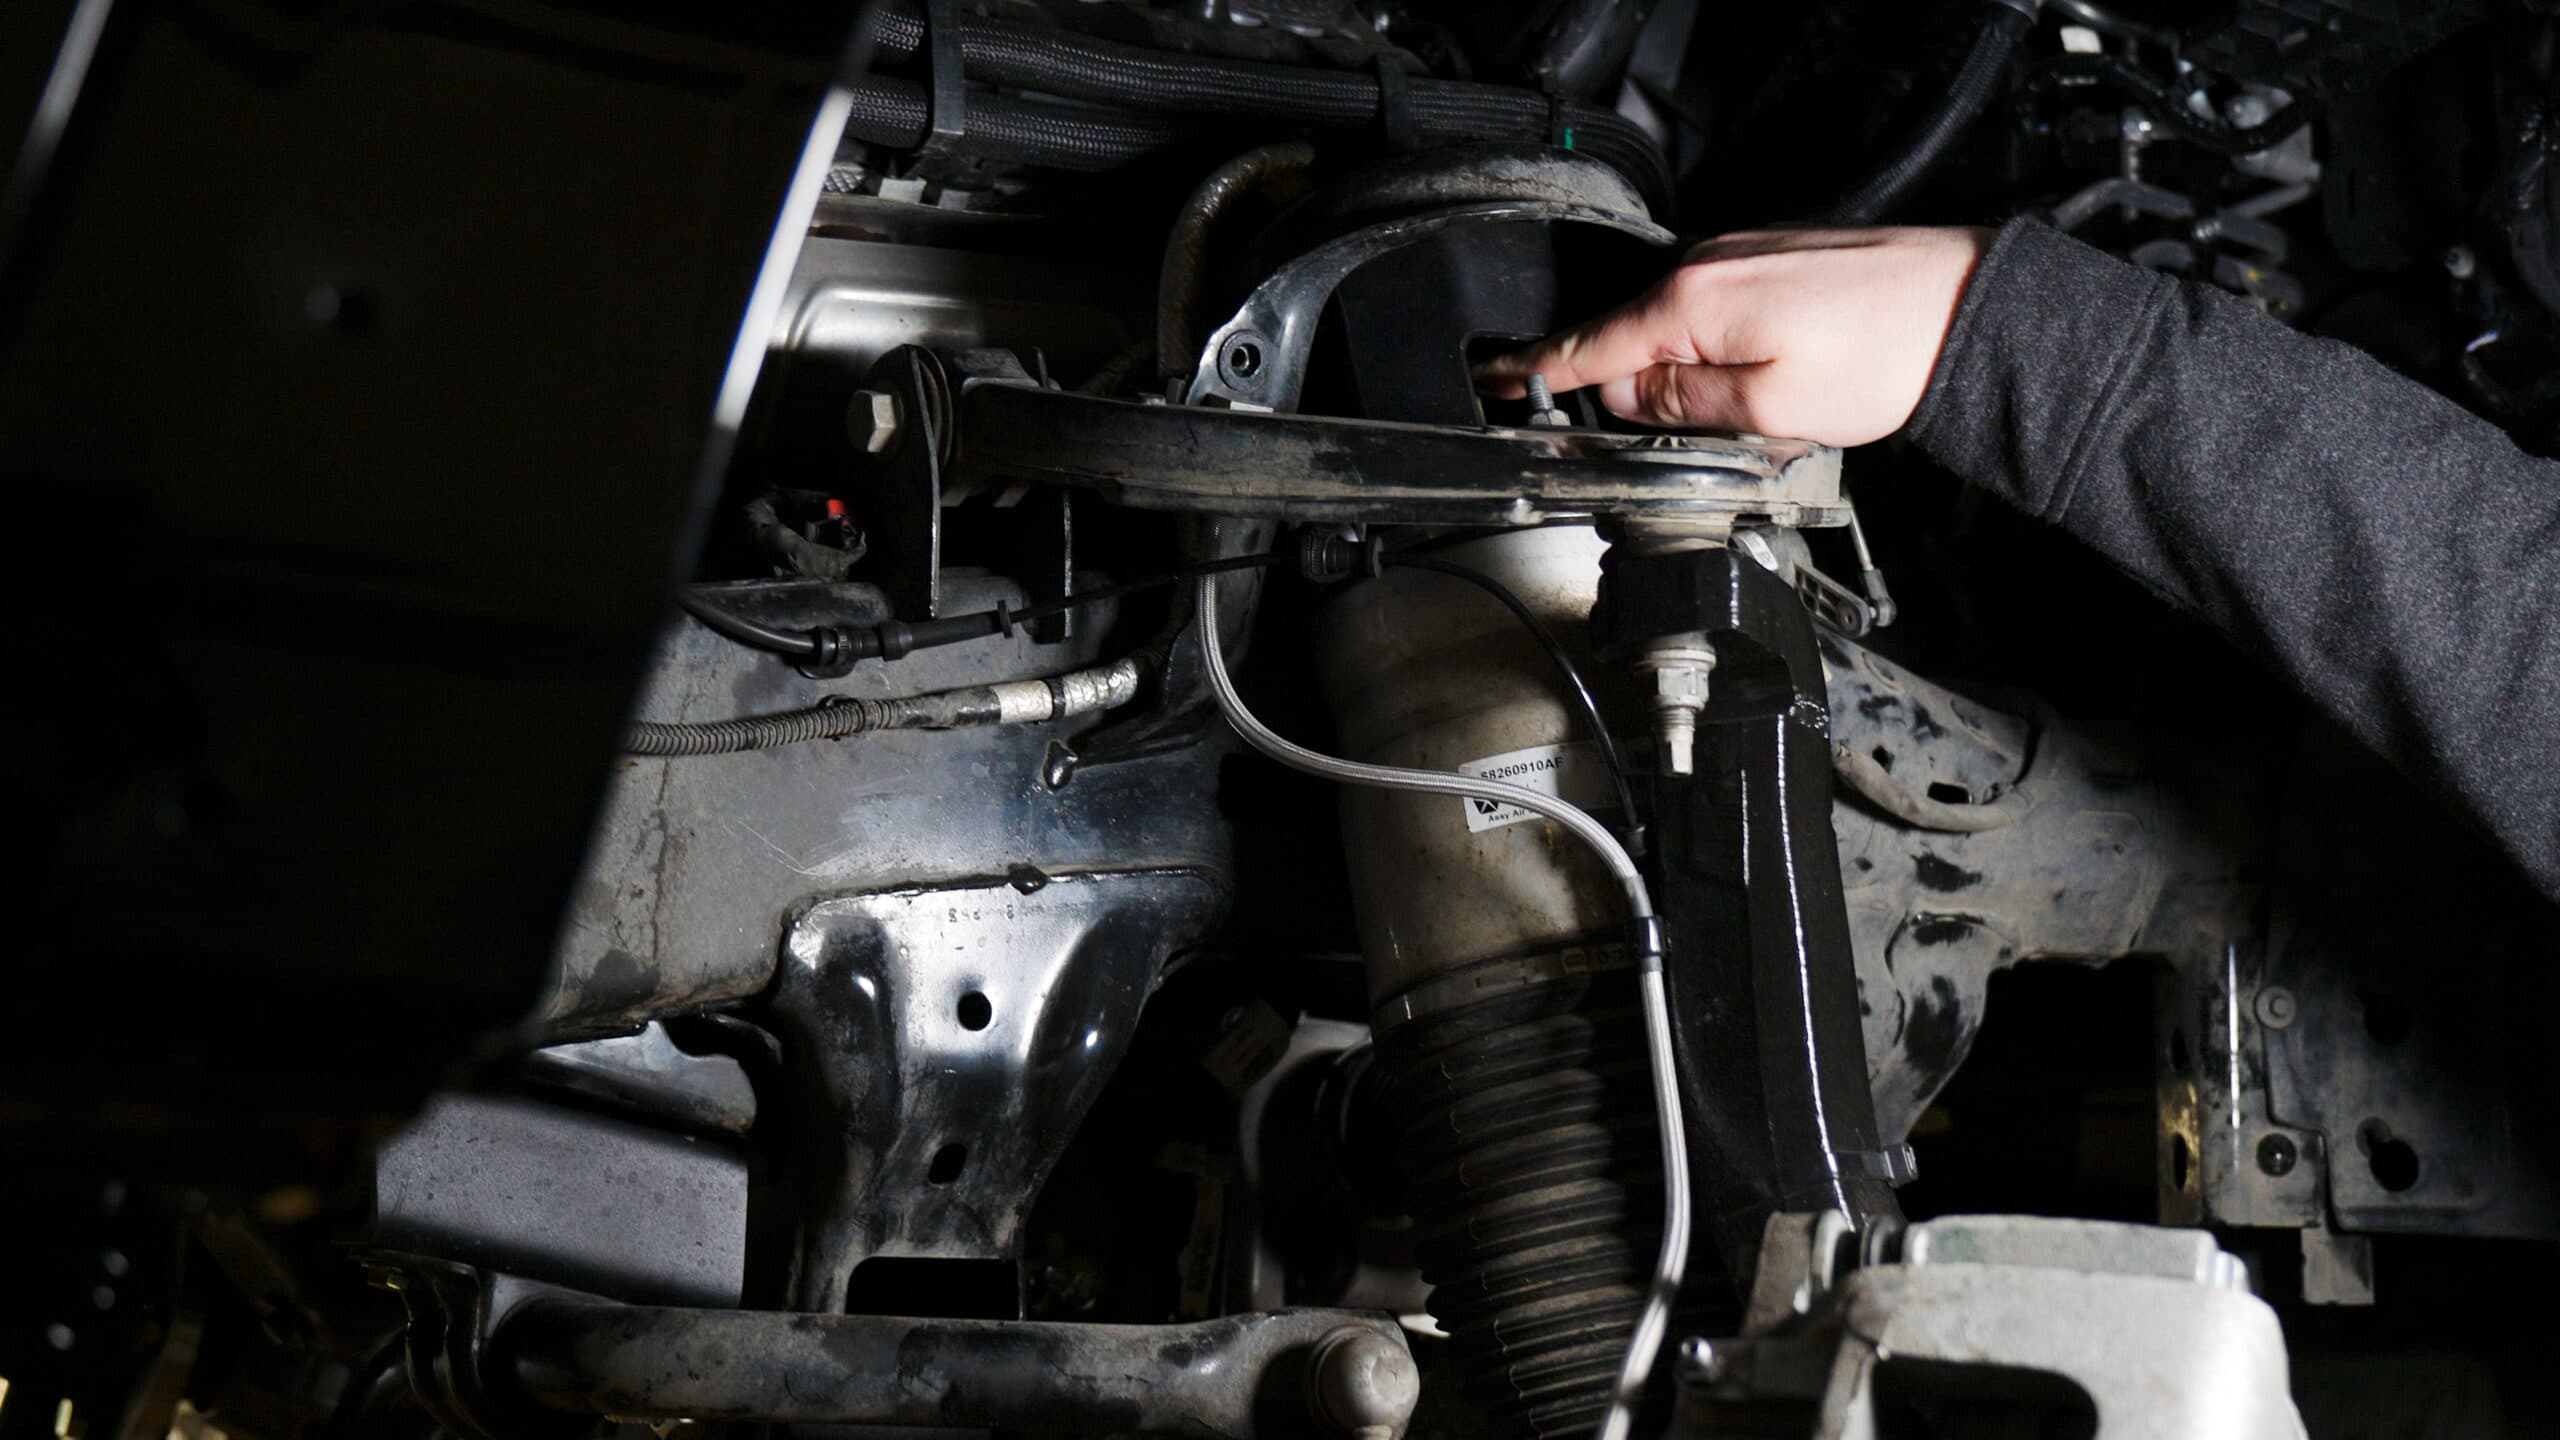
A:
{"points": [[1647, 1326], [908, 1017], [1772, 1045], [1998, 1324], [1501, 991], [1238, 462], [1175, 863]]}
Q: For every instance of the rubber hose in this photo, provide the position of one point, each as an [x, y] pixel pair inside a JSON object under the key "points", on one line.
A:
{"points": [[761, 732], [1531, 1163], [1186, 251], [1128, 77], [2169, 111], [1984, 65]]}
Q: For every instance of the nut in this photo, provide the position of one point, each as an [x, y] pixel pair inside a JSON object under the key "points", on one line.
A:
{"points": [[2276, 1007]]}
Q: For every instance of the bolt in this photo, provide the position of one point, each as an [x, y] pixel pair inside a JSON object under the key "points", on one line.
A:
{"points": [[1700, 1362], [59, 1336], [871, 421], [2276, 1155], [1542, 405], [1240, 360], [1365, 1381], [1675, 669], [2276, 1007], [2460, 263]]}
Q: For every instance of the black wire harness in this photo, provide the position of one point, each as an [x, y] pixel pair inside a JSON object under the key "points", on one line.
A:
{"points": [[1134, 101], [826, 647]]}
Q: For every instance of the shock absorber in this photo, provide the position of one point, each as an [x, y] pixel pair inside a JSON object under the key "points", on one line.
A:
{"points": [[1503, 1009], [1504, 1005]]}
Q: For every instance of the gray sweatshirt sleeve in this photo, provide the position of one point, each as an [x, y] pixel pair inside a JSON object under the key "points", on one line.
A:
{"points": [[2393, 554]]}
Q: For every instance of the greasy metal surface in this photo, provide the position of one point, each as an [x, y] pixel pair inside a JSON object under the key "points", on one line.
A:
{"points": [[2378, 1097], [563, 1194], [1236, 1378], [1237, 462], [1763, 975], [2096, 865], [942, 1045], [1259, 356], [649, 1074], [2067, 1327], [698, 863], [1426, 671]]}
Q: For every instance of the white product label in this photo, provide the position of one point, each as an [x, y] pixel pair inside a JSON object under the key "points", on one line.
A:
{"points": [[1574, 773]]}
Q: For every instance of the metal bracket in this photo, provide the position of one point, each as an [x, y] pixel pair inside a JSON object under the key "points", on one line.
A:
{"points": [[1258, 358], [913, 1017], [1235, 462]]}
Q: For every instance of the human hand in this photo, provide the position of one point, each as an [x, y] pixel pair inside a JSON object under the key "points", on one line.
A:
{"points": [[1824, 335]]}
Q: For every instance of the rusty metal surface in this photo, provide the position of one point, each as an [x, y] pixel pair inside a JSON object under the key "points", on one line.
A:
{"points": [[2096, 866]]}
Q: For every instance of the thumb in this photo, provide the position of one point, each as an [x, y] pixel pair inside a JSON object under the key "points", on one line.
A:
{"points": [[1689, 396]]}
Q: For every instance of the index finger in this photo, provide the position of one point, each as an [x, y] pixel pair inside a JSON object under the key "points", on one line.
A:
{"points": [[1646, 332]]}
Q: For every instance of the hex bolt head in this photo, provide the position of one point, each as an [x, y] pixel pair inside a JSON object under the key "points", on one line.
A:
{"points": [[2277, 1155], [1364, 1381], [871, 421], [2276, 1007]]}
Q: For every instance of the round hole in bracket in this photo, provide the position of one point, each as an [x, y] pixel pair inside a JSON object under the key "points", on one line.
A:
{"points": [[976, 1011], [1241, 359], [2394, 1161], [947, 1164]]}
